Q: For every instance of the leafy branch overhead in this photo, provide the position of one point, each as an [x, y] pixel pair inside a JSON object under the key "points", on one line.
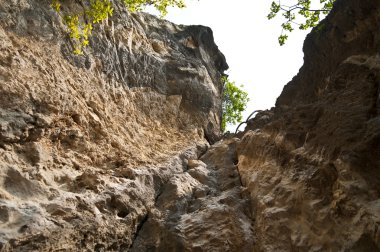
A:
{"points": [[233, 104], [79, 23], [299, 9]]}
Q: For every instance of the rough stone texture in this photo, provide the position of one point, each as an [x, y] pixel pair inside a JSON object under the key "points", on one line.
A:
{"points": [[108, 151], [202, 209], [312, 163], [127, 51], [88, 142]]}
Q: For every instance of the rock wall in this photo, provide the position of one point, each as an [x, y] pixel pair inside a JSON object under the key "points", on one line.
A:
{"points": [[88, 142], [110, 151], [311, 165]]}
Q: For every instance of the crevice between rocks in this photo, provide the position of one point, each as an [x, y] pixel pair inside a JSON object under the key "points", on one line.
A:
{"points": [[121, 62], [375, 97], [202, 152], [138, 229], [159, 191]]}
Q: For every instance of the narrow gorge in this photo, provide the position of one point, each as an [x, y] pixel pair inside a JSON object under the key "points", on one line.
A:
{"points": [[120, 149]]}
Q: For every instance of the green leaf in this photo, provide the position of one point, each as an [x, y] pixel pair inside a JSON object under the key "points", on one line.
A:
{"points": [[234, 102]]}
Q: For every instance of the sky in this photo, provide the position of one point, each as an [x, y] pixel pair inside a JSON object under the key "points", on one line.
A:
{"points": [[249, 41]]}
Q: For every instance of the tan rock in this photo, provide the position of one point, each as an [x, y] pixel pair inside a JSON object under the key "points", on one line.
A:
{"points": [[192, 163]]}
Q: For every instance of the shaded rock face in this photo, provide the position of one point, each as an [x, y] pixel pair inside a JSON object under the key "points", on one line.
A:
{"points": [[350, 30], [312, 163]]}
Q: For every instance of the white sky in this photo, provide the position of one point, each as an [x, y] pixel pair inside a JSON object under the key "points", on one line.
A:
{"points": [[249, 42]]}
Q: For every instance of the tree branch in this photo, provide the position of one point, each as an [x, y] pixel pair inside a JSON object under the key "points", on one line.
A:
{"points": [[304, 9]]}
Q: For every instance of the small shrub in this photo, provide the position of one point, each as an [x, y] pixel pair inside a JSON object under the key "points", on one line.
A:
{"points": [[234, 103]]}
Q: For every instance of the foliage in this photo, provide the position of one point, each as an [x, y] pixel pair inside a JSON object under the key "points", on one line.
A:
{"points": [[160, 5], [233, 104], [299, 9], [79, 24]]}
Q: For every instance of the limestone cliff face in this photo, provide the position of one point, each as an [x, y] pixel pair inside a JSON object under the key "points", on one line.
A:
{"points": [[110, 151], [311, 165], [87, 142]]}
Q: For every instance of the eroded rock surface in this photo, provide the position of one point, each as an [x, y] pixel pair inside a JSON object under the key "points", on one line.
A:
{"points": [[88, 142], [110, 151], [202, 209]]}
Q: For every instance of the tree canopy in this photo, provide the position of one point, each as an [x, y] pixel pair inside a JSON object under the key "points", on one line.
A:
{"points": [[296, 10]]}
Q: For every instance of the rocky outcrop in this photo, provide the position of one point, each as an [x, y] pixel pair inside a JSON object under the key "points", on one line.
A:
{"points": [[312, 163], [87, 143]]}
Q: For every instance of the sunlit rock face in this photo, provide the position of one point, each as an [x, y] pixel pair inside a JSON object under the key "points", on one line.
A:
{"points": [[312, 163], [88, 142]]}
